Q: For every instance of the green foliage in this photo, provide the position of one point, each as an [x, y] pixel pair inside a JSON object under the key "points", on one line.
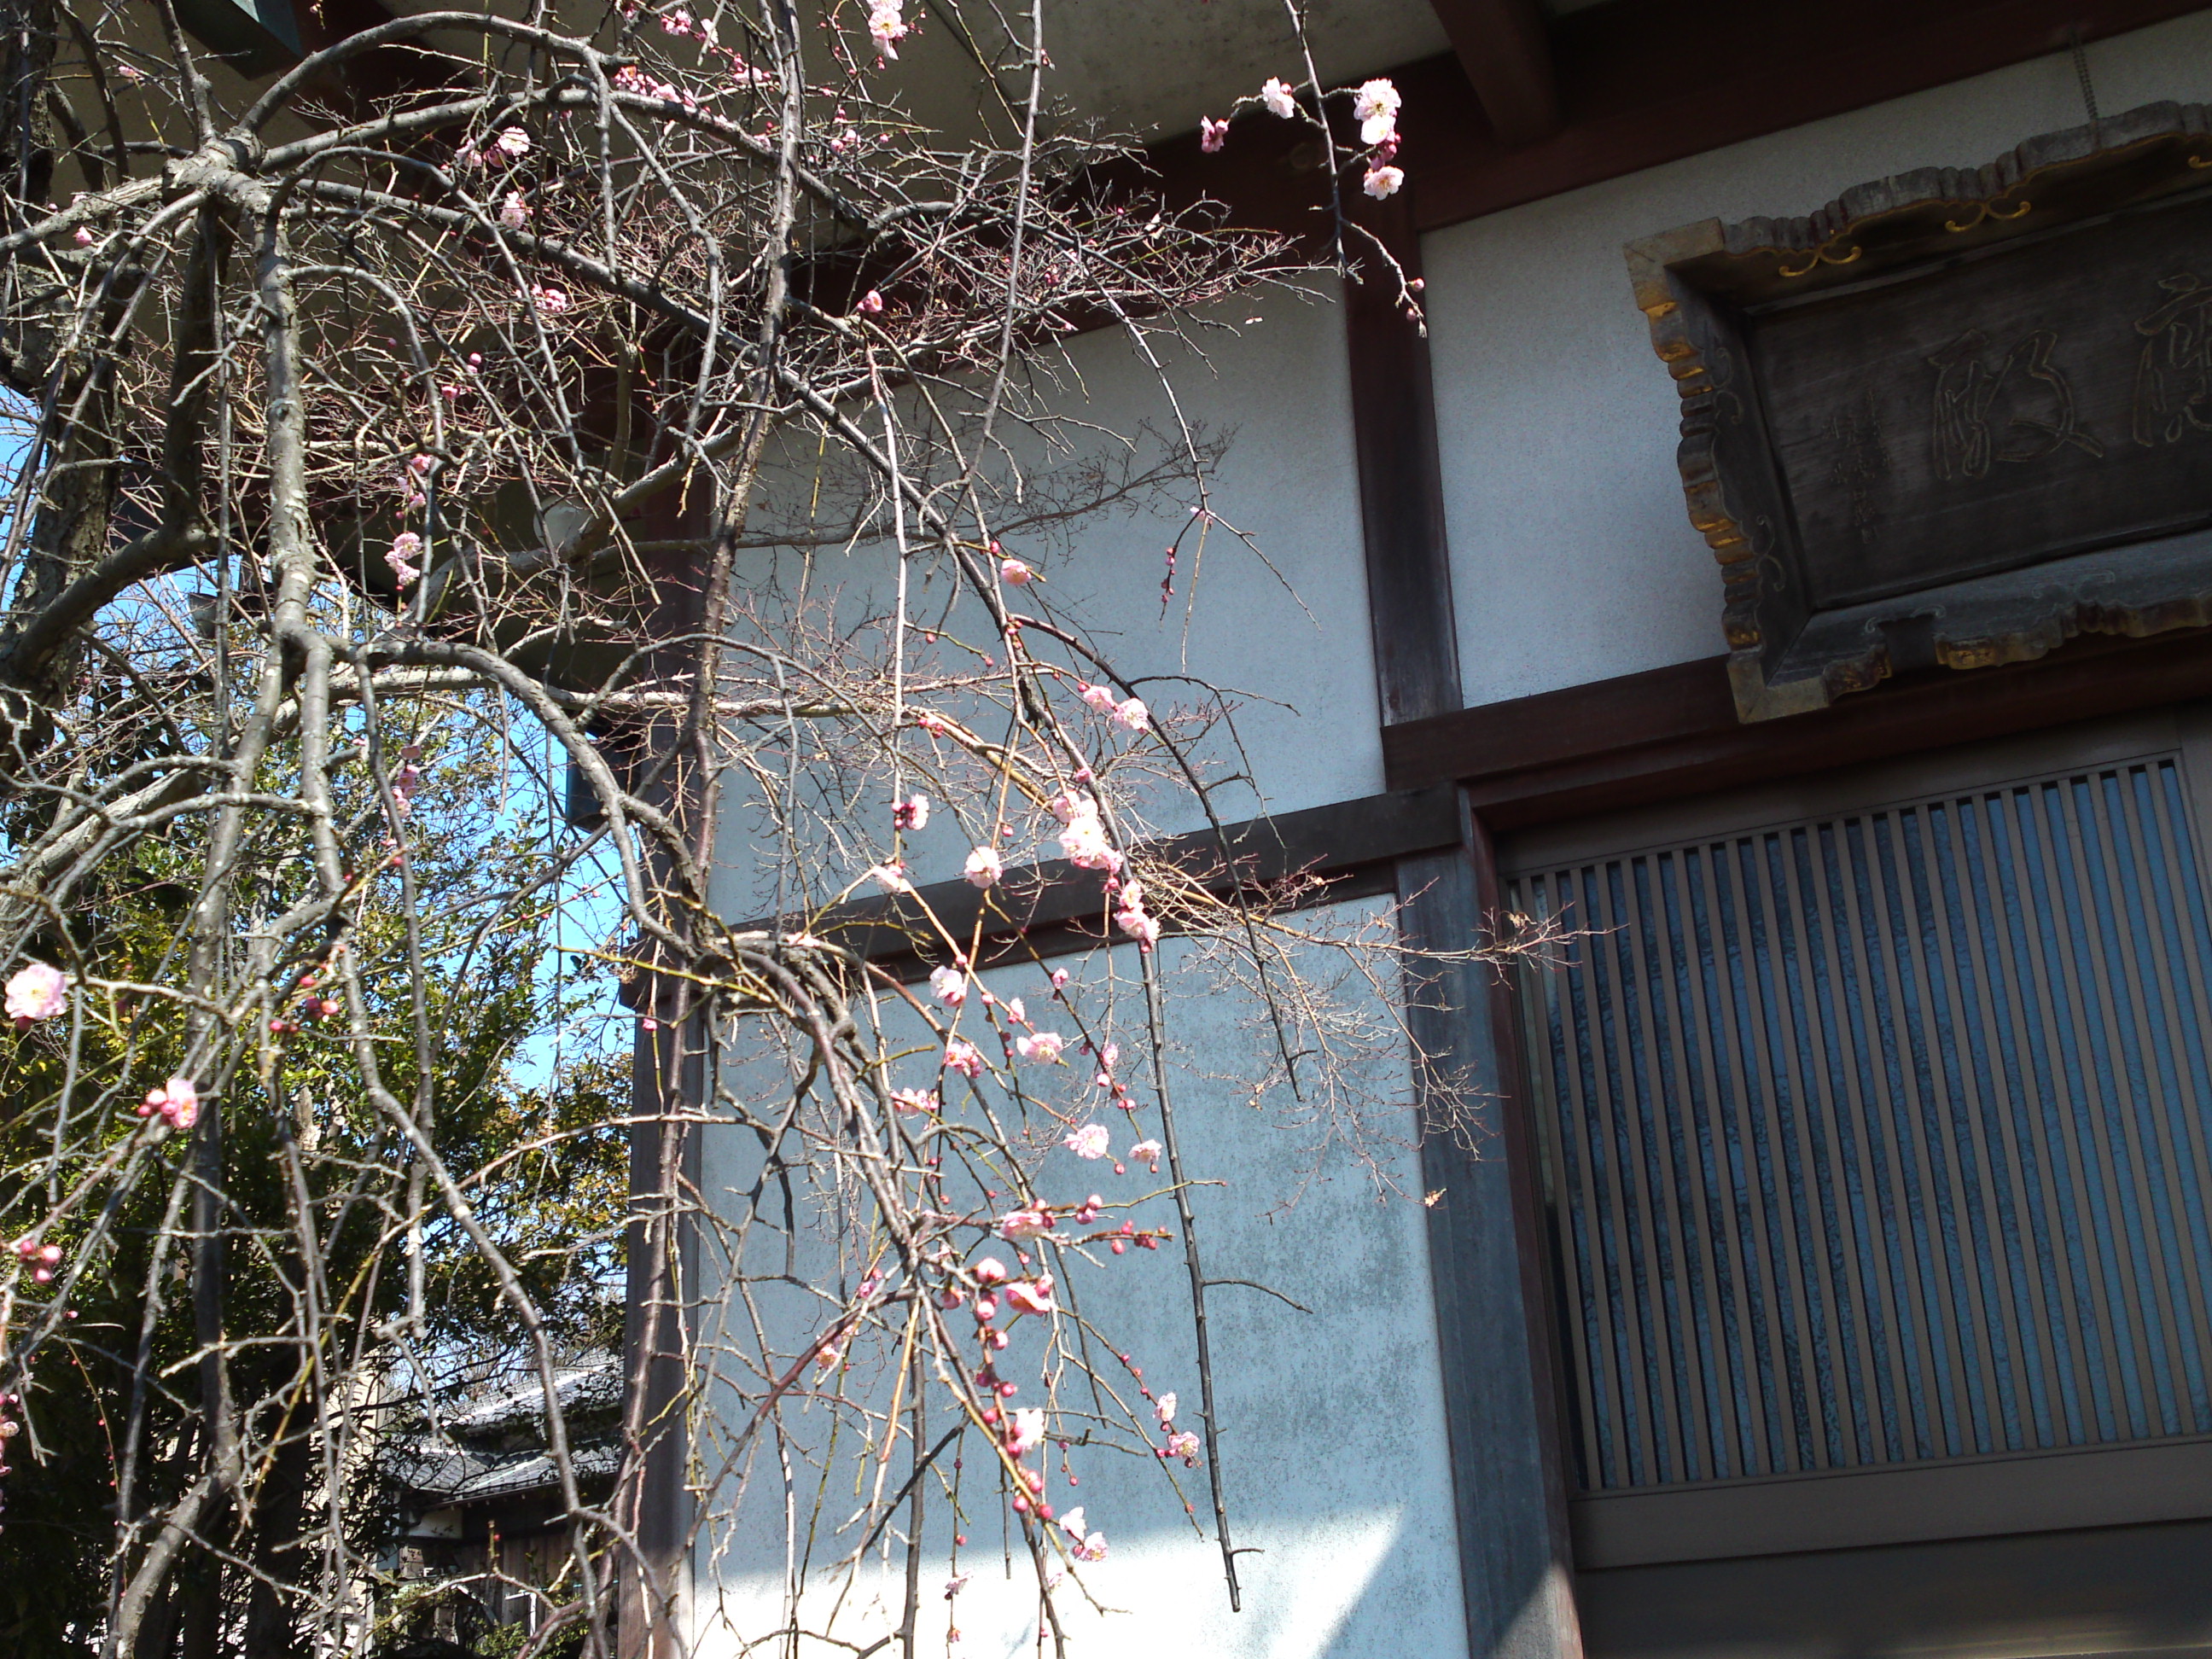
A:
{"points": [[313, 1175]]}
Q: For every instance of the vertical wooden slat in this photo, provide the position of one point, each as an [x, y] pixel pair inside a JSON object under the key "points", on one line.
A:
{"points": [[1881, 1138]]}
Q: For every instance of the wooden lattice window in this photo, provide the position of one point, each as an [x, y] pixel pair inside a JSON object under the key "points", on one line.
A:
{"points": [[1881, 1138]]}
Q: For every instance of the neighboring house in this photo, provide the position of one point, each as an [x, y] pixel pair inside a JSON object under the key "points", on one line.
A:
{"points": [[479, 1498]]}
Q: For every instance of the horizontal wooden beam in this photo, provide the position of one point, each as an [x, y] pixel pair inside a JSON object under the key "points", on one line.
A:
{"points": [[1673, 732], [1504, 50], [1902, 1503], [1054, 907]]}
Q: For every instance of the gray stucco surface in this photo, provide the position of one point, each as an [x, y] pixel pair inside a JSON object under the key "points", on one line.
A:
{"points": [[1332, 1419]]}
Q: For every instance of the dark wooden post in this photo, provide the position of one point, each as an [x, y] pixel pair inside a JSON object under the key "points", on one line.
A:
{"points": [[1485, 1242], [669, 1086]]}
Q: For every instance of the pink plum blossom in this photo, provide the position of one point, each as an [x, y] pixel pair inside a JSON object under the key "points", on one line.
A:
{"points": [[892, 877], [36, 991], [872, 304], [1025, 1223], [1044, 1046], [1024, 1430], [1382, 182], [988, 1270], [1090, 1141], [513, 143], [82, 237], [551, 302], [177, 1102], [1185, 1445], [1212, 133], [1132, 714], [514, 212], [963, 1057], [983, 867], [1277, 95], [1016, 573], [911, 1100], [406, 549], [1100, 697], [912, 813], [1164, 1409], [1146, 1152], [949, 985], [1034, 1299], [1375, 107], [1130, 917]]}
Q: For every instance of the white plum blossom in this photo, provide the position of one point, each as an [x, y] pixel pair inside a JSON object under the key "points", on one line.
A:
{"points": [[1375, 107], [1382, 182], [949, 985], [1041, 1046], [887, 25], [892, 877], [1082, 1543], [1164, 1409], [983, 867], [1025, 1431], [1279, 98], [1090, 1141], [36, 991], [1083, 843]]}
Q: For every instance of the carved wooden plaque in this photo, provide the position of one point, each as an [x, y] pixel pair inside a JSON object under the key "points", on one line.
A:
{"points": [[1954, 418]]}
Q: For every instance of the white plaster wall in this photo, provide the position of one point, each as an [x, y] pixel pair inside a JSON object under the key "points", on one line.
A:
{"points": [[1293, 638], [1280, 626], [1335, 1454], [1573, 558]]}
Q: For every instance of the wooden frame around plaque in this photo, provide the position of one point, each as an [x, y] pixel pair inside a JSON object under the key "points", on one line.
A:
{"points": [[1954, 418]]}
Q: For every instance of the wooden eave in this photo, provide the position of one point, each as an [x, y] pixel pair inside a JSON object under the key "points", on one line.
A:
{"points": [[1634, 84]]}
